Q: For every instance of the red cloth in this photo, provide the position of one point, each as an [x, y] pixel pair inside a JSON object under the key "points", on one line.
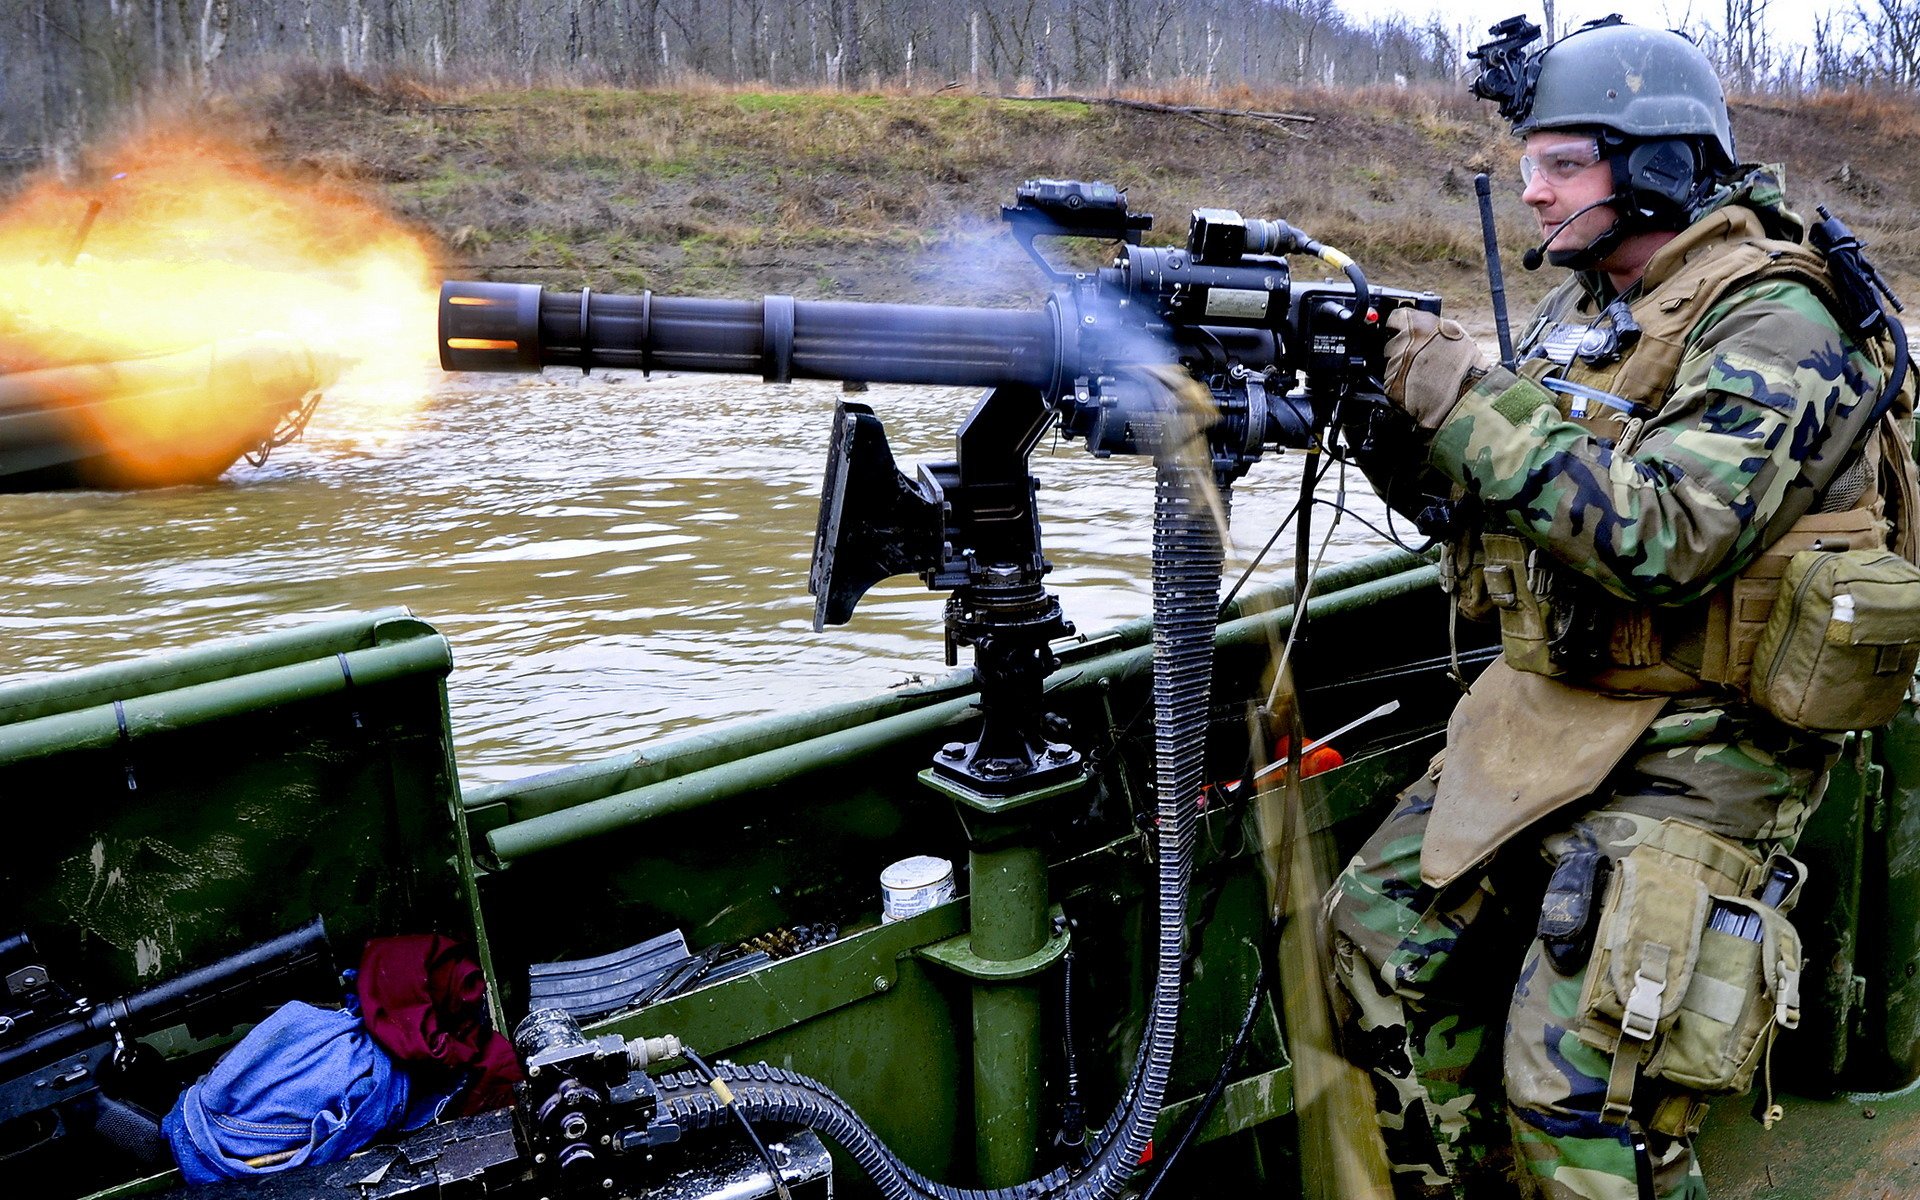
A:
{"points": [[424, 999]]}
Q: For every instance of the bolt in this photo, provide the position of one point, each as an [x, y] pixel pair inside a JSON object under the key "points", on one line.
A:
{"points": [[881, 983], [954, 749], [533, 1070], [607, 1184], [539, 1159], [605, 1140], [1869, 1113]]}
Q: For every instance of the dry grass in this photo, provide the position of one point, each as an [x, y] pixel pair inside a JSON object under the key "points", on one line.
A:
{"points": [[743, 188]]}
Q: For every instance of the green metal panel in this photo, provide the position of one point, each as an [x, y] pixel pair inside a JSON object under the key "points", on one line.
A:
{"points": [[585, 816], [65, 692], [1889, 1051], [1815, 1055], [186, 807]]}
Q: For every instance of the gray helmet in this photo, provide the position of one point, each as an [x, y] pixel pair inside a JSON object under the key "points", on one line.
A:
{"points": [[1641, 83]]}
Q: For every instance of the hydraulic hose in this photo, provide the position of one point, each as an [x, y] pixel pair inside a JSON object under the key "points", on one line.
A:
{"points": [[1187, 560]]}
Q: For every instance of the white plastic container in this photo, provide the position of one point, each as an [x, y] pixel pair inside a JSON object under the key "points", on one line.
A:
{"points": [[914, 885]]}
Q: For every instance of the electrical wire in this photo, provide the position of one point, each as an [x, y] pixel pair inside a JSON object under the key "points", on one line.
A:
{"points": [[1236, 1050], [1304, 589], [1344, 510], [725, 1096], [1254, 565]]}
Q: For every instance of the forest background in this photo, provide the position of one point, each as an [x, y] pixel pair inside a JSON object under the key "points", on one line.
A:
{"points": [[860, 148]]}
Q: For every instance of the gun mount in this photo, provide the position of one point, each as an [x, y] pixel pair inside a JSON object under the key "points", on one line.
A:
{"points": [[1276, 357]]}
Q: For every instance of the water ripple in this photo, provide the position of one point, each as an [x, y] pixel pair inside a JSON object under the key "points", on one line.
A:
{"points": [[612, 558]]}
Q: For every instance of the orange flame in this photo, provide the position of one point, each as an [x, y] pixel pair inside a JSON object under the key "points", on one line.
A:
{"points": [[189, 299]]}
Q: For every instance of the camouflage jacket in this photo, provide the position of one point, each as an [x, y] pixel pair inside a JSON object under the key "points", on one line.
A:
{"points": [[1664, 509]]}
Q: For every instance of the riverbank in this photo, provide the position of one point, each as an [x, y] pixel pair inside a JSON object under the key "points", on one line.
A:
{"points": [[895, 197]]}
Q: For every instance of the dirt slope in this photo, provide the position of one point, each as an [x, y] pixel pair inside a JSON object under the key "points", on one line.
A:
{"points": [[895, 197]]}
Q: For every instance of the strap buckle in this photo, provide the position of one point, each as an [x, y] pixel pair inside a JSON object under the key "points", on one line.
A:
{"points": [[1786, 1005], [1642, 1015]]}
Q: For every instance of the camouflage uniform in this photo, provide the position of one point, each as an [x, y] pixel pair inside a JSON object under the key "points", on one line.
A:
{"points": [[1714, 475]]}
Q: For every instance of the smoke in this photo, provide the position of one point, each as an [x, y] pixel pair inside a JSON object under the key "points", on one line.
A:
{"points": [[177, 241]]}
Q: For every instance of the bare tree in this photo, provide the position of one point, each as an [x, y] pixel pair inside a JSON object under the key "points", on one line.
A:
{"points": [[216, 19], [1891, 33]]}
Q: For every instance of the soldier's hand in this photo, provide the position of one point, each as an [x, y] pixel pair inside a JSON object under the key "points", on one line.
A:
{"points": [[1429, 363]]}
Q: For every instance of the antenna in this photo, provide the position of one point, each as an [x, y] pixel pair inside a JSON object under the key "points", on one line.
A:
{"points": [[1496, 282]]}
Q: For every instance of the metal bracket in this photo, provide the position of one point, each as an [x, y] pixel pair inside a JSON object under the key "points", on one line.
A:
{"points": [[954, 790], [956, 954]]}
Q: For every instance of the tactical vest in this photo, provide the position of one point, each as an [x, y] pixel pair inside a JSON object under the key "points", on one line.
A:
{"points": [[1557, 622]]}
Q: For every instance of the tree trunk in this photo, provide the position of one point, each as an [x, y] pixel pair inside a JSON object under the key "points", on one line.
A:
{"points": [[216, 18]]}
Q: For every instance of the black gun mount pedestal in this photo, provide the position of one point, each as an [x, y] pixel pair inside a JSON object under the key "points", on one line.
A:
{"points": [[1009, 620], [971, 527]]}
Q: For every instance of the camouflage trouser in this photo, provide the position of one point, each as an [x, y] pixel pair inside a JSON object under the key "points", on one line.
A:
{"points": [[1422, 974]]}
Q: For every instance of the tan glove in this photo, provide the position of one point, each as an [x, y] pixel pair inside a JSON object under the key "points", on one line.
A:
{"points": [[1429, 363]]}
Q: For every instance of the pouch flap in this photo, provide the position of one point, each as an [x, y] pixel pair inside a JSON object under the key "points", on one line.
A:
{"points": [[1653, 939], [1510, 761], [1881, 612]]}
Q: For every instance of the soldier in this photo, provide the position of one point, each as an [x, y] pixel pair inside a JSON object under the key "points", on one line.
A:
{"points": [[1608, 831]]}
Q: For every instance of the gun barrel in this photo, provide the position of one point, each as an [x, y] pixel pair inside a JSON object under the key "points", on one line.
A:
{"points": [[522, 327], [196, 993]]}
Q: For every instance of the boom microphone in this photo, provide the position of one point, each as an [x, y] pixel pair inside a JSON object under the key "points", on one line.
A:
{"points": [[1532, 259]]}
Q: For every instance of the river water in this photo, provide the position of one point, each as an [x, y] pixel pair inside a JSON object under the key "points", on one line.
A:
{"points": [[612, 558]]}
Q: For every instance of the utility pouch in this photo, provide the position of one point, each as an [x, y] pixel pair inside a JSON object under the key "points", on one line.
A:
{"points": [[1519, 589], [1740, 610], [1571, 908], [1842, 641], [1745, 987], [1691, 973], [1463, 576]]}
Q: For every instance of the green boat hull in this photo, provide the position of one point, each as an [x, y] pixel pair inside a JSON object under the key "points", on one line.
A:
{"points": [[186, 807]]}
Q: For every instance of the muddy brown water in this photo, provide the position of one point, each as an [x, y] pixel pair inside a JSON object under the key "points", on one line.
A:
{"points": [[612, 558]]}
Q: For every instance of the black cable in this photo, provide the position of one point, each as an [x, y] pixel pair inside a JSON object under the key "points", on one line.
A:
{"points": [[725, 1094], [1235, 1051], [1073, 1120], [1258, 558], [1336, 505]]}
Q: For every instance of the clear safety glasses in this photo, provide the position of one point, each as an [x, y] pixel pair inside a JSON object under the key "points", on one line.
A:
{"points": [[1560, 162]]}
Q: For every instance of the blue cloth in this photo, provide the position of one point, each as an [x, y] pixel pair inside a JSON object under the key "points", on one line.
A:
{"points": [[307, 1083]]}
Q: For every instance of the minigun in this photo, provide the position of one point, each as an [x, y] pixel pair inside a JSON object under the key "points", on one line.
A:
{"points": [[75, 1079], [1275, 355]]}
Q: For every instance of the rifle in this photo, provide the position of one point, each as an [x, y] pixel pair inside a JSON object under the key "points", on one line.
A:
{"points": [[70, 1069]]}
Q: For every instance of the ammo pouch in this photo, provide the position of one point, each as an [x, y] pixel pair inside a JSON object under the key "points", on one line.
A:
{"points": [[1841, 642], [1691, 976], [1519, 587]]}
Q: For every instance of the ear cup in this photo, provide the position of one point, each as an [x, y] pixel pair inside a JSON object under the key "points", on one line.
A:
{"points": [[1664, 178]]}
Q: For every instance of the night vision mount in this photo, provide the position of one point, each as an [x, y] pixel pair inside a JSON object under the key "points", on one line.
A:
{"points": [[1508, 71]]}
